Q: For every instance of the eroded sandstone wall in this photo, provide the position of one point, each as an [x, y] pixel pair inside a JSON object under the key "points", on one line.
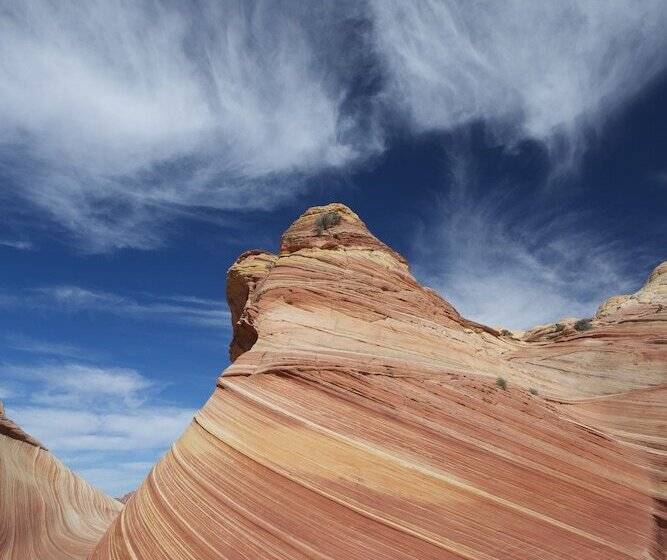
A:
{"points": [[361, 419]]}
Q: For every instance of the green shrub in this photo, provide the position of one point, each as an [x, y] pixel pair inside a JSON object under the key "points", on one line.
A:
{"points": [[583, 325], [501, 383], [326, 221], [533, 391]]}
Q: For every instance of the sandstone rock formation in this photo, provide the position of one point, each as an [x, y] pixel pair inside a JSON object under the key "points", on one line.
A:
{"points": [[361, 419], [46, 511], [125, 497]]}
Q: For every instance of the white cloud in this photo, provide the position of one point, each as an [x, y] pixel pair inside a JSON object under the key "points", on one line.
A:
{"points": [[67, 430], [119, 116], [514, 260], [119, 479], [5, 393], [180, 309], [33, 346], [543, 69], [15, 244], [124, 112], [103, 446], [105, 422], [77, 384], [186, 309]]}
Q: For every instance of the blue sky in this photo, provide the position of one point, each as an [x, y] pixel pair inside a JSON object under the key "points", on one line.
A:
{"points": [[515, 152]]}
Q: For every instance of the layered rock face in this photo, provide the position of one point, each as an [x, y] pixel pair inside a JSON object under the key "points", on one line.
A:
{"points": [[361, 419], [46, 511]]}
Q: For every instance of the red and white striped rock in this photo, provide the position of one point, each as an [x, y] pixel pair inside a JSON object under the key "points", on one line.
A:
{"points": [[361, 419], [46, 511]]}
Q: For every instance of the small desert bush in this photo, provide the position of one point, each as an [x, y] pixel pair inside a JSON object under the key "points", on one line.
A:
{"points": [[501, 383], [533, 391], [505, 332], [583, 325], [326, 221], [559, 327]]}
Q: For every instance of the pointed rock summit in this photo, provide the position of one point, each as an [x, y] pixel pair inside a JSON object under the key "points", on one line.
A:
{"points": [[331, 227], [363, 417]]}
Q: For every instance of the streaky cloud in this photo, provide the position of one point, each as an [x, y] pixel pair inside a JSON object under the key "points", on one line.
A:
{"points": [[117, 114], [513, 259], [550, 71], [189, 310], [16, 244], [117, 118], [92, 415]]}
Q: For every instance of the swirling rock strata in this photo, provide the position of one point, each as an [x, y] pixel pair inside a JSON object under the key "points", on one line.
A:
{"points": [[361, 419], [46, 511]]}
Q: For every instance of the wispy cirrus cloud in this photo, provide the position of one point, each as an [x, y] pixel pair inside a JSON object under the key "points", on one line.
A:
{"points": [[160, 109], [550, 71], [512, 258], [182, 309], [16, 244], [34, 346], [156, 107], [176, 308], [5, 392]]}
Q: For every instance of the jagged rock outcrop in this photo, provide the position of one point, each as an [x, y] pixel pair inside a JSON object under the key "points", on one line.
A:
{"points": [[361, 419], [46, 511], [242, 279]]}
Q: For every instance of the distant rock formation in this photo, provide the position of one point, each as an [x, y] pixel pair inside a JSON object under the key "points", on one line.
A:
{"points": [[363, 417], [125, 497], [46, 511], [650, 298]]}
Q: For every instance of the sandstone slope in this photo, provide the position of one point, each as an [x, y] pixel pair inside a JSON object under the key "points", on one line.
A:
{"points": [[46, 511], [361, 419]]}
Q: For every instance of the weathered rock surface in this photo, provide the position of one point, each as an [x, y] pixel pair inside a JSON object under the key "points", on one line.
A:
{"points": [[46, 511], [361, 419]]}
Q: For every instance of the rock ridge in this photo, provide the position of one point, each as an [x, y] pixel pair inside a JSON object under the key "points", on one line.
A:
{"points": [[46, 511], [362, 416]]}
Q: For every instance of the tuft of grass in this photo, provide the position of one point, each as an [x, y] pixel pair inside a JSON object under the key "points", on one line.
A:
{"points": [[532, 391], [583, 325], [326, 221], [501, 383]]}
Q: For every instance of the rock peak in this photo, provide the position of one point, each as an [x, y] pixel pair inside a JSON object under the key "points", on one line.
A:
{"points": [[332, 226], [364, 417], [658, 277]]}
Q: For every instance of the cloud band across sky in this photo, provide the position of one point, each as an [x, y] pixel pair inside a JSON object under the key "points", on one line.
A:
{"points": [[117, 116]]}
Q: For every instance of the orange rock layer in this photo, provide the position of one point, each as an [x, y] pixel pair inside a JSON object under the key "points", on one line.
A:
{"points": [[361, 419], [46, 511]]}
